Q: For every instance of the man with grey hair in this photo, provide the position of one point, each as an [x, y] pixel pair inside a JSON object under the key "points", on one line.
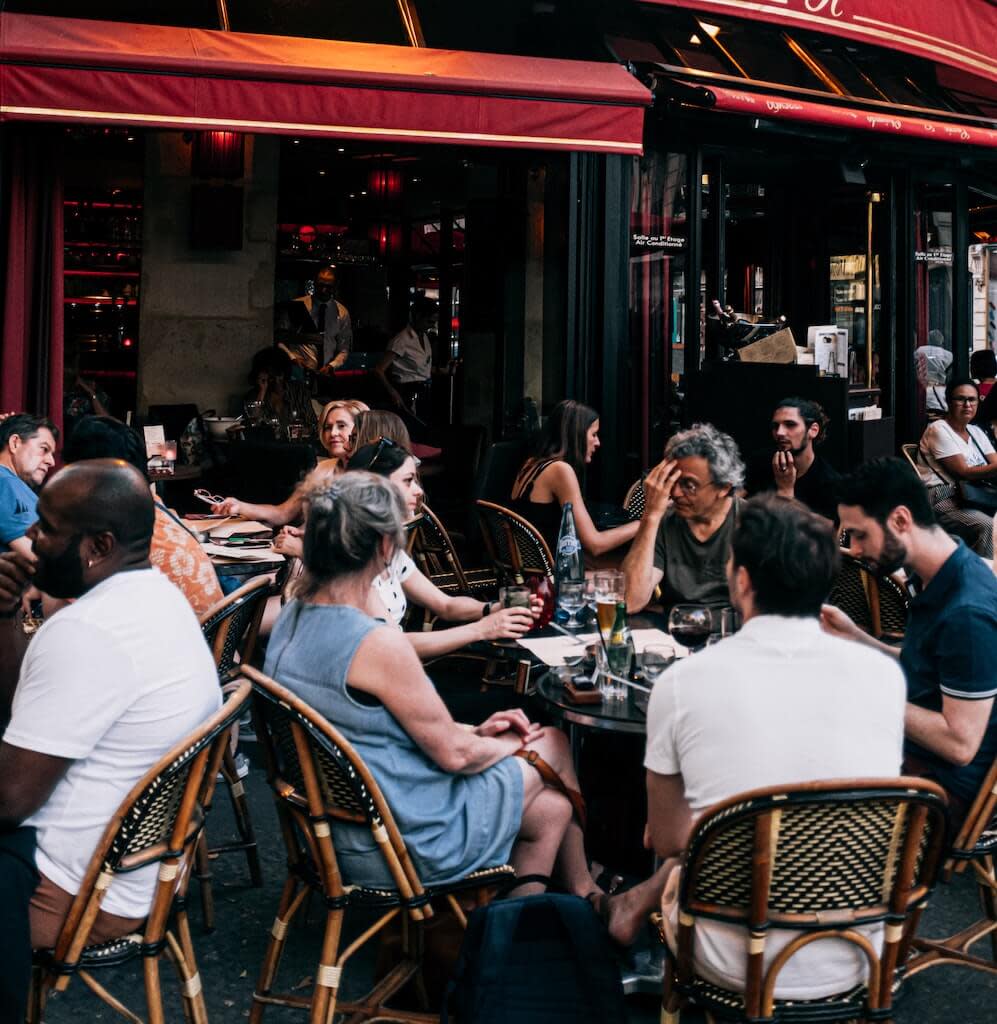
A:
{"points": [[690, 506]]}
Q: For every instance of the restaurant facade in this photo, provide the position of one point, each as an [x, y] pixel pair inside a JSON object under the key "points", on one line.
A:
{"points": [[168, 188]]}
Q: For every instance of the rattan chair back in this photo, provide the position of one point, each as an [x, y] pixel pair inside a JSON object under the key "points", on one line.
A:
{"points": [[318, 778], [822, 859], [633, 502], [231, 627], [877, 604], [158, 822], [435, 554], [514, 544]]}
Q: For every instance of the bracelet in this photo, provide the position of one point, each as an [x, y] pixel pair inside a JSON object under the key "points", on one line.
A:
{"points": [[486, 609]]}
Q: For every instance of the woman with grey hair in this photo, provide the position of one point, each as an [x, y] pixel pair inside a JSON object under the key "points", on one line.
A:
{"points": [[461, 798], [690, 507]]}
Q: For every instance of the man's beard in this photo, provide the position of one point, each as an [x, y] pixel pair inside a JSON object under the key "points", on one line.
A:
{"points": [[61, 576], [894, 553]]}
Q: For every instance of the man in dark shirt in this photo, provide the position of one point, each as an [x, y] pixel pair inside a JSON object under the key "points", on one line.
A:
{"points": [[795, 470], [949, 654]]}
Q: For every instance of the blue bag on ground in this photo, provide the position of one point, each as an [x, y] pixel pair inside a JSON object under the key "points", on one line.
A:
{"points": [[536, 960]]}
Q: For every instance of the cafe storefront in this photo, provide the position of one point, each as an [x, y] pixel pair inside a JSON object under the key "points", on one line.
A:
{"points": [[830, 161], [175, 186]]}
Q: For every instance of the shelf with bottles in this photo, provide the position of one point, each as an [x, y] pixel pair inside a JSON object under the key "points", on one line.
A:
{"points": [[96, 222]]}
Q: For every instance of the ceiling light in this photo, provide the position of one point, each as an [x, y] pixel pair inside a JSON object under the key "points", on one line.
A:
{"points": [[711, 30]]}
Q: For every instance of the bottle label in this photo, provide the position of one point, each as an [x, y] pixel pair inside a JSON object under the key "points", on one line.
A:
{"points": [[568, 545]]}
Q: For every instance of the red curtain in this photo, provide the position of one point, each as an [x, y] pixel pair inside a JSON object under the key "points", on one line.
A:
{"points": [[31, 352]]}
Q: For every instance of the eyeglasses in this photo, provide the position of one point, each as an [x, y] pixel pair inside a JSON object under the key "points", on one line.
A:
{"points": [[965, 399], [688, 486]]}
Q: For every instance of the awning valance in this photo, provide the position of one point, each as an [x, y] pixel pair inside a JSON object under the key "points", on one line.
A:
{"points": [[957, 33], [883, 122], [73, 70]]}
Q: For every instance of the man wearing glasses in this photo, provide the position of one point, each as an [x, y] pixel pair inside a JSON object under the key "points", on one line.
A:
{"points": [[690, 507]]}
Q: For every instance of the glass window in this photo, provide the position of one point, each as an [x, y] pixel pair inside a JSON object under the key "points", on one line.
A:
{"points": [[932, 297], [658, 287]]}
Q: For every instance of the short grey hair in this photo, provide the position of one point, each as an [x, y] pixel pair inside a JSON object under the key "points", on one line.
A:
{"points": [[347, 519], [719, 449]]}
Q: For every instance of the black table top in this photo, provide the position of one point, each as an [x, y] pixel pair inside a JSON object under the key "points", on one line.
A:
{"points": [[624, 716]]}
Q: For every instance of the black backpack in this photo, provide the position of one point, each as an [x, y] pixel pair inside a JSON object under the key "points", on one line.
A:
{"points": [[536, 960]]}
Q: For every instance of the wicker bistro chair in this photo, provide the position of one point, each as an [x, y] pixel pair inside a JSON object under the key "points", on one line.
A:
{"points": [[157, 823], [433, 551], [318, 778], [633, 501], [878, 604], [975, 845], [231, 629], [821, 859], [514, 544]]}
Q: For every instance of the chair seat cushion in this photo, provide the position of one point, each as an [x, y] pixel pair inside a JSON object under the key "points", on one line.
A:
{"points": [[844, 1007], [105, 954]]}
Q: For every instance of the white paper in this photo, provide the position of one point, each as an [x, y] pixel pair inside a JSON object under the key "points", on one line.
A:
{"points": [[552, 650], [155, 438], [222, 528], [217, 551]]}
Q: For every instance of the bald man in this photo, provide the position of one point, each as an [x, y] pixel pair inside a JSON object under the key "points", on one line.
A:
{"points": [[107, 686], [330, 320]]}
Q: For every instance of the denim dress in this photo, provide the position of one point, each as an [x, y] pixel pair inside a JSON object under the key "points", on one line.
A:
{"points": [[452, 824]]}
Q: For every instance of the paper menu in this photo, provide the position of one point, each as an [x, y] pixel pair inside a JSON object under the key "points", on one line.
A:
{"points": [[552, 650]]}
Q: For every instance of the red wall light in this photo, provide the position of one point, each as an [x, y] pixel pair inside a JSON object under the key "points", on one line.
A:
{"points": [[384, 184], [386, 238], [218, 155]]}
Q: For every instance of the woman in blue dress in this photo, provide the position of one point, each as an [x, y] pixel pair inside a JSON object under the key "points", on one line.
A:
{"points": [[461, 799]]}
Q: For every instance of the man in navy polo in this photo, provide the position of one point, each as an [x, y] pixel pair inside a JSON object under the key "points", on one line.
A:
{"points": [[949, 654], [27, 453]]}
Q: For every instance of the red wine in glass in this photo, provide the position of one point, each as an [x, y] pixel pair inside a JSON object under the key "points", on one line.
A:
{"points": [[542, 588], [690, 635]]}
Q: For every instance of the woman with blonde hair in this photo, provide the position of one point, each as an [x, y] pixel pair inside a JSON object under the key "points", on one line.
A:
{"points": [[336, 426]]}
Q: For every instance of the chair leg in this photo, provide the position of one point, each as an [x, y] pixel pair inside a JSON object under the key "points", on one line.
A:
{"points": [[181, 953], [328, 972], [202, 872], [243, 822], [36, 996], [290, 901], [153, 989]]}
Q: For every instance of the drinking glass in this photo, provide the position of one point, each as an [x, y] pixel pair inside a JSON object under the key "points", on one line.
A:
{"points": [[571, 600], [515, 597], [690, 624], [610, 587], [730, 621], [654, 659]]}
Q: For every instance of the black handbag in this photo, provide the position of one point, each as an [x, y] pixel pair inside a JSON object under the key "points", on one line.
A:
{"points": [[980, 495]]}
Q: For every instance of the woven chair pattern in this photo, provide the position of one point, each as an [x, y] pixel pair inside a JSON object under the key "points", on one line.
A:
{"points": [[633, 503], [894, 606], [848, 594], [344, 791], [152, 817], [236, 618], [515, 542], [830, 856]]}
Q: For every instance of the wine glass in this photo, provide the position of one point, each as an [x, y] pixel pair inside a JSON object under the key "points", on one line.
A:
{"points": [[654, 659], [571, 600], [690, 624]]}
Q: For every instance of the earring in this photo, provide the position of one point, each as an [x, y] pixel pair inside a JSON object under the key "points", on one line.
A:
{"points": [[89, 564]]}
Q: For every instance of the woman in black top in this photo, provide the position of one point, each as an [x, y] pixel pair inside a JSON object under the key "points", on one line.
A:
{"points": [[550, 477]]}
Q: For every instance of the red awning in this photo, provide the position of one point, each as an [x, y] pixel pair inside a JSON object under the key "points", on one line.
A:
{"points": [[883, 122], [959, 33], [59, 69]]}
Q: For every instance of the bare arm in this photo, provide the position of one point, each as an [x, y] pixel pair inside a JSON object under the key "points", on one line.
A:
{"points": [[562, 482], [381, 371], [641, 572], [835, 622], [386, 667], [669, 817], [954, 733], [27, 779], [15, 577], [955, 466], [289, 511]]}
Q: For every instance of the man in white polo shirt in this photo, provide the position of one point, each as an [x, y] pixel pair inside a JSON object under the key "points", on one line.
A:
{"points": [[107, 686], [779, 703]]}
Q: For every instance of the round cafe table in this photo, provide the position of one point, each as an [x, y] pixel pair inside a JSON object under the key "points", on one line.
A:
{"points": [[643, 969]]}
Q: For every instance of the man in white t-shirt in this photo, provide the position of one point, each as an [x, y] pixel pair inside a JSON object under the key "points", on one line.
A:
{"points": [[106, 687], [779, 703]]}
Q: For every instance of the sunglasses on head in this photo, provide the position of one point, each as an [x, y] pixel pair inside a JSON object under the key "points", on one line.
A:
{"points": [[382, 443]]}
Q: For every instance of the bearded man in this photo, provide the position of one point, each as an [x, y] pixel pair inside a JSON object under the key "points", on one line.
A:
{"points": [[949, 651]]}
